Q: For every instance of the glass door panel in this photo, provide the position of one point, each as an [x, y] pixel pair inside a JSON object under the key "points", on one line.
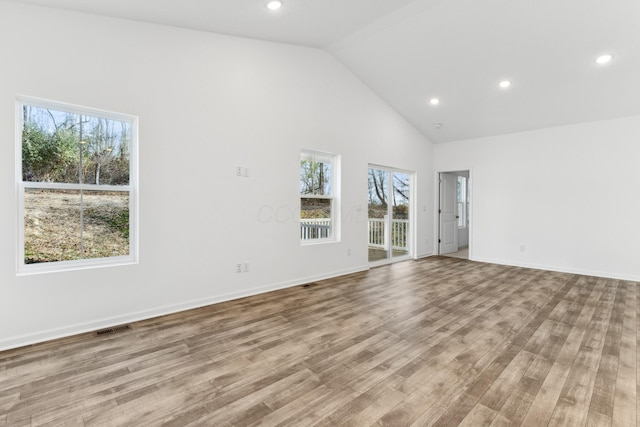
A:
{"points": [[378, 214], [388, 214]]}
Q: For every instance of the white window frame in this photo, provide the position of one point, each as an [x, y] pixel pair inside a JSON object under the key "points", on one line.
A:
{"points": [[334, 234], [23, 268]]}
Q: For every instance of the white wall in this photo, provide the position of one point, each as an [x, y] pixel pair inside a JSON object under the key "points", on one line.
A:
{"points": [[569, 195], [206, 104]]}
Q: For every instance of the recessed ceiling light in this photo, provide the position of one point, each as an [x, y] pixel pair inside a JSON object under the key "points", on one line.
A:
{"points": [[603, 59], [504, 84], [274, 4], [434, 101]]}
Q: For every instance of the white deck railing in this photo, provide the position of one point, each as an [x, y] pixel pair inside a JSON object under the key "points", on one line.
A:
{"points": [[379, 234], [378, 231], [315, 228]]}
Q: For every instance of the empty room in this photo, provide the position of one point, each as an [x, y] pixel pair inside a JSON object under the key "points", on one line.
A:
{"points": [[319, 212]]}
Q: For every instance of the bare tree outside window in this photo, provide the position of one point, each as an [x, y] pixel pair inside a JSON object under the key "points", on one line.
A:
{"points": [[76, 185], [379, 194]]}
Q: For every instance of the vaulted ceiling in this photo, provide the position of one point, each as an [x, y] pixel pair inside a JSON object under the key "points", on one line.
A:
{"points": [[411, 51]]}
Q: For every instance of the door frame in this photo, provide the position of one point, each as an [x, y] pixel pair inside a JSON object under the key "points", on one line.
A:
{"points": [[412, 215], [470, 216], [448, 214]]}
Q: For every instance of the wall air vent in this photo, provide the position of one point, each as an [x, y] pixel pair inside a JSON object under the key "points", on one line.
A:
{"points": [[113, 330]]}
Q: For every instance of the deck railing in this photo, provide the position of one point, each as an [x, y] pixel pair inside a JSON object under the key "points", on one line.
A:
{"points": [[315, 228], [398, 232], [377, 231]]}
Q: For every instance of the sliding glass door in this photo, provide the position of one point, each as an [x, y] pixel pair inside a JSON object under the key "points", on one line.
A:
{"points": [[389, 214]]}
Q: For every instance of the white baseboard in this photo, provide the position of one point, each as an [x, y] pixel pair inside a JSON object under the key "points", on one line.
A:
{"points": [[584, 272], [425, 255], [52, 334]]}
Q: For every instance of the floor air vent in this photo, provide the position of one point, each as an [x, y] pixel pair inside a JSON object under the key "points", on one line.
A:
{"points": [[113, 330]]}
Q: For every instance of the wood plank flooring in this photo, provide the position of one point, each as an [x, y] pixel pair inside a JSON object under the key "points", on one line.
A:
{"points": [[439, 341]]}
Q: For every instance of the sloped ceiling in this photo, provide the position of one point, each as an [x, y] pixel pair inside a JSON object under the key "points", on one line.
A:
{"points": [[456, 50]]}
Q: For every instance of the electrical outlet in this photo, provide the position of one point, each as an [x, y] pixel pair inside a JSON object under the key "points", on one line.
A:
{"points": [[239, 171], [238, 268]]}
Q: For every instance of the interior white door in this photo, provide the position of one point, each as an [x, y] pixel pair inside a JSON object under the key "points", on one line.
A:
{"points": [[448, 213]]}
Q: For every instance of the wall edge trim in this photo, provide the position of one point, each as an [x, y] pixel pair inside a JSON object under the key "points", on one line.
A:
{"points": [[82, 328]]}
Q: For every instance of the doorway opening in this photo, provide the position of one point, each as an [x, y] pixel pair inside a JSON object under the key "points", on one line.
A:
{"points": [[389, 215], [453, 214]]}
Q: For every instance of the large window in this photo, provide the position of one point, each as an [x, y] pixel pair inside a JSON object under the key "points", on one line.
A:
{"points": [[317, 196], [76, 174]]}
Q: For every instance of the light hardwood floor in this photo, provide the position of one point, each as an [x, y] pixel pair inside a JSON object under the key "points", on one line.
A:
{"points": [[440, 341]]}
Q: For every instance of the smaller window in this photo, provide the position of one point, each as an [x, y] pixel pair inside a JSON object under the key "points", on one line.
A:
{"points": [[317, 196], [462, 202]]}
